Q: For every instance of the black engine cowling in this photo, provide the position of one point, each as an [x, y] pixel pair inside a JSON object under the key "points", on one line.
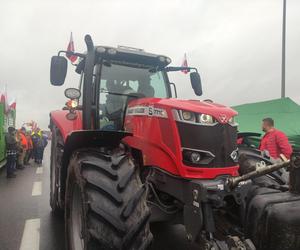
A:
{"points": [[272, 212]]}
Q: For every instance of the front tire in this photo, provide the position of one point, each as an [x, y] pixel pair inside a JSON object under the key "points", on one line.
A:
{"points": [[105, 205], [55, 161]]}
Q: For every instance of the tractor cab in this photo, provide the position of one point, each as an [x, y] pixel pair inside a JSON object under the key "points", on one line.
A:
{"points": [[112, 77], [122, 82]]}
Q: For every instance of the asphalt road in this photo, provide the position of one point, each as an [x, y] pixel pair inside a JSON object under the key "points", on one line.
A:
{"points": [[26, 221]]}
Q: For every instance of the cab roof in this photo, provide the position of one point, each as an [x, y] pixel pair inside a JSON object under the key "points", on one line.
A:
{"points": [[131, 56]]}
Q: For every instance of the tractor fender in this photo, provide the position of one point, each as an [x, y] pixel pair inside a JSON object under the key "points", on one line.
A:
{"points": [[87, 139], [91, 138], [58, 118]]}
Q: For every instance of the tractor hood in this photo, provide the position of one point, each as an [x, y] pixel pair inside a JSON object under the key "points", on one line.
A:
{"points": [[220, 112]]}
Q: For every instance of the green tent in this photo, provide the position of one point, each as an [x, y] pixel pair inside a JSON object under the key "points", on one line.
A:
{"points": [[285, 112]]}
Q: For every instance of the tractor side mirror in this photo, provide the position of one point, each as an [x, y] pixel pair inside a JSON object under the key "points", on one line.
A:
{"points": [[196, 83], [58, 70]]}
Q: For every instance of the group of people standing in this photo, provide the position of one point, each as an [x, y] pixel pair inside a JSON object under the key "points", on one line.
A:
{"points": [[22, 146]]}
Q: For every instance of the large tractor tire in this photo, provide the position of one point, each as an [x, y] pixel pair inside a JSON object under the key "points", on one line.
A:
{"points": [[55, 161], [105, 205]]}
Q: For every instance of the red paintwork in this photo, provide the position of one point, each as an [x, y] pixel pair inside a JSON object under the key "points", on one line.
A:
{"points": [[64, 125], [160, 142], [158, 138]]}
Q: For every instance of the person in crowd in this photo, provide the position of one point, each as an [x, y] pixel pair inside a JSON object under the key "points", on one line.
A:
{"points": [[35, 137], [40, 146], [11, 152], [29, 150], [23, 146], [45, 143], [274, 141]]}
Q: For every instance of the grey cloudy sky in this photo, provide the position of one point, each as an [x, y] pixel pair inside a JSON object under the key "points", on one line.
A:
{"points": [[236, 45]]}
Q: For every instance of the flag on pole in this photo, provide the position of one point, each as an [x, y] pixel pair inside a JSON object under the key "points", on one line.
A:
{"points": [[70, 48], [184, 64], [4, 99], [13, 104]]}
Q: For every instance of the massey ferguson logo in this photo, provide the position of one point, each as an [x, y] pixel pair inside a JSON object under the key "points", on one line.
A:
{"points": [[223, 118]]}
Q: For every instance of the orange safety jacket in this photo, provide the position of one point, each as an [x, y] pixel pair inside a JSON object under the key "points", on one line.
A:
{"points": [[29, 143], [23, 141]]}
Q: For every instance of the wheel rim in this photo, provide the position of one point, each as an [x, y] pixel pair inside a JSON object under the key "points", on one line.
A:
{"points": [[75, 231]]}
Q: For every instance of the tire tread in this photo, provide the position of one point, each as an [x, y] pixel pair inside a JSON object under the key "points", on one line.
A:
{"points": [[117, 213]]}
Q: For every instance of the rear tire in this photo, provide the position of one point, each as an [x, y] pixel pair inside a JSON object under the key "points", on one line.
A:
{"points": [[105, 205]]}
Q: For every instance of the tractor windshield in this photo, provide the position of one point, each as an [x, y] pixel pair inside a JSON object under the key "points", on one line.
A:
{"points": [[123, 79], [118, 82]]}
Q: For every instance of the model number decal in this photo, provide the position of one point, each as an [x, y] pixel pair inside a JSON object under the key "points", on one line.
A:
{"points": [[147, 111], [136, 111]]}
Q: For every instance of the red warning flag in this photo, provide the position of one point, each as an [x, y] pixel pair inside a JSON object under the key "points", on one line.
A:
{"points": [[70, 48]]}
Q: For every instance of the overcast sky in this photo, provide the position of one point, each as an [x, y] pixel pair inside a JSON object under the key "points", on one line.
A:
{"points": [[235, 44]]}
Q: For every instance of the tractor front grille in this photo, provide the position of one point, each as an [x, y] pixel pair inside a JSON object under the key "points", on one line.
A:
{"points": [[217, 143]]}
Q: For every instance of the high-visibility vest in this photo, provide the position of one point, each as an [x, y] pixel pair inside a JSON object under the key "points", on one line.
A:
{"points": [[23, 141]]}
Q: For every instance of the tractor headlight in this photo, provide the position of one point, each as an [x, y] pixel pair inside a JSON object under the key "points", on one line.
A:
{"points": [[195, 118], [162, 58], [112, 51], [206, 119], [72, 104], [195, 157], [188, 116], [100, 50]]}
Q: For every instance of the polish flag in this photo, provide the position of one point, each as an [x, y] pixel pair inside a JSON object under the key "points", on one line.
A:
{"points": [[2, 98], [70, 48], [184, 64], [13, 104]]}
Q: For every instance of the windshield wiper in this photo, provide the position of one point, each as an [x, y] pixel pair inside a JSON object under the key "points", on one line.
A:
{"points": [[135, 95]]}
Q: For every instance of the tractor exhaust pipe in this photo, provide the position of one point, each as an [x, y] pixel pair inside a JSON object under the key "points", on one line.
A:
{"points": [[89, 42], [87, 113]]}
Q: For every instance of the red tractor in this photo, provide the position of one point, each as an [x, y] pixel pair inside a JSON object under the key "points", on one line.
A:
{"points": [[125, 153]]}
